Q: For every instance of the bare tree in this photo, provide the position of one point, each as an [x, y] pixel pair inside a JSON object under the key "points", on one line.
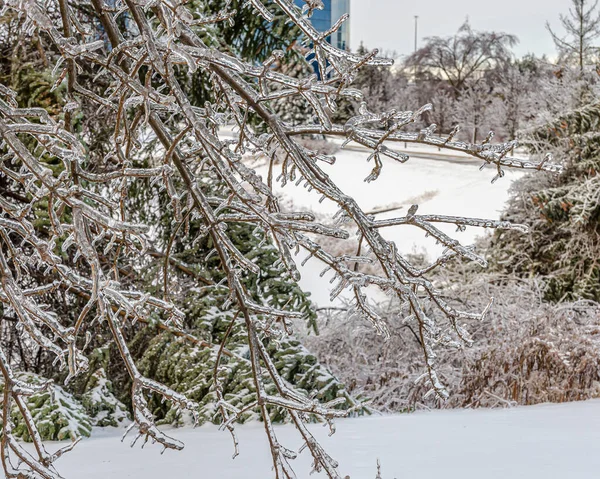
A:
{"points": [[472, 110], [462, 57], [512, 92], [139, 70], [582, 27]]}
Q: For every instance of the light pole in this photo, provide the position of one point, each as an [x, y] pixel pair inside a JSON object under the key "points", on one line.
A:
{"points": [[416, 29]]}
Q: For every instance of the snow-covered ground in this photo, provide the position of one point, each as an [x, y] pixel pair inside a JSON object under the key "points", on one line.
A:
{"points": [[451, 186], [538, 442]]}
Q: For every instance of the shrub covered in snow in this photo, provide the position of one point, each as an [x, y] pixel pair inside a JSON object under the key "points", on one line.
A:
{"points": [[55, 412], [525, 352], [563, 212], [191, 369], [101, 404]]}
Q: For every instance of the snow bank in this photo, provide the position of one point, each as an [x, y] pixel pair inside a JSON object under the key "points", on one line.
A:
{"points": [[454, 186], [547, 441]]}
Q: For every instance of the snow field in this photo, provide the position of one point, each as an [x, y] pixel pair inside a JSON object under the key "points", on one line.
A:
{"points": [[558, 441], [447, 187]]}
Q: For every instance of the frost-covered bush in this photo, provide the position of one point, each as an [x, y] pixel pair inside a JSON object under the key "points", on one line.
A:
{"points": [[530, 351], [57, 415], [562, 211], [525, 352], [552, 356], [101, 404], [387, 373]]}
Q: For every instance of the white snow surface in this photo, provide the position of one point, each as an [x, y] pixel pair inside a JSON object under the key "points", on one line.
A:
{"points": [[451, 186], [545, 441]]}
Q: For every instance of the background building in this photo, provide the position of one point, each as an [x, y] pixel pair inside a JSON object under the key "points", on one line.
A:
{"points": [[324, 19]]}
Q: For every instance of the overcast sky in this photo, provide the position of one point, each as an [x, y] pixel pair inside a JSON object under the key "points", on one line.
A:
{"points": [[389, 24]]}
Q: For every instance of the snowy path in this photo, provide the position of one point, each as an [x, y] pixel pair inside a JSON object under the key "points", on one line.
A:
{"points": [[540, 442], [452, 187]]}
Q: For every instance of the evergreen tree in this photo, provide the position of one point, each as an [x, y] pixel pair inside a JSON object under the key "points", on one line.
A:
{"points": [[97, 394], [563, 212], [189, 368], [581, 27]]}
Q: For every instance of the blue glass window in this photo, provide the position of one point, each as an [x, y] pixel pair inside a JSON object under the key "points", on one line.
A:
{"points": [[322, 20]]}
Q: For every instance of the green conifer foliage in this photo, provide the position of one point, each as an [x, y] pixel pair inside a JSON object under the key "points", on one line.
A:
{"points": [[189, 368], [563, 211], [97, 394], [101, 404], [56, 413]]}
